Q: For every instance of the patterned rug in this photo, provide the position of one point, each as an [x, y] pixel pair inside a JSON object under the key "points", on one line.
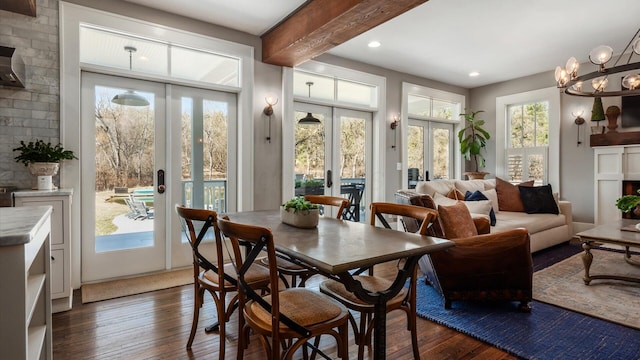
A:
{"points": [[549, 331], [617, 301]]}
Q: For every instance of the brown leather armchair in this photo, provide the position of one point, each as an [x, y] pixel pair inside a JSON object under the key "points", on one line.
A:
{"points": [[490, 266]]}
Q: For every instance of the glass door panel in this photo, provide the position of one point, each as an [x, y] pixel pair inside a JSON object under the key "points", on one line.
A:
{"points": [[310, 151], [207, 178], [429, 151], [123, 211], [441, 146]]}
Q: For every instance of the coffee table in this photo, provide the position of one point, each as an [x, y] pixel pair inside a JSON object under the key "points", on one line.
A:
{"points": [[609, 234]]}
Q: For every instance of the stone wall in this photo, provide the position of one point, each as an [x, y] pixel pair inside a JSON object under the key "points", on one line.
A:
{"points": [[34, 111]]}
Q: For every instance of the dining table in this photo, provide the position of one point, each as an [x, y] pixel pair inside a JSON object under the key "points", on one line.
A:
{"points": [[336, 248]]}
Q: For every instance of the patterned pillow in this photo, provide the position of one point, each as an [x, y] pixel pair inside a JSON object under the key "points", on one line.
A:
{"points": [[509, 195], [456, 222]]}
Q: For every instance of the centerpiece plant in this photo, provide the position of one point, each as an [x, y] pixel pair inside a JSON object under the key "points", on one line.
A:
{"points": [[299, 212]]}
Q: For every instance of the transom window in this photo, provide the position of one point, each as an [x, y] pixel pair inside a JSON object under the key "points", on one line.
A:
{"points": [[428, 107]]}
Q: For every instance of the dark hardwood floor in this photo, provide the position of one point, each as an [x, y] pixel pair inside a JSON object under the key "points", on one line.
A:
{"points": [[156, 325]]}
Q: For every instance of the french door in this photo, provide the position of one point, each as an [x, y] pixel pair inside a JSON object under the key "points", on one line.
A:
{"points": [[123, 198], [429, 151], [333, 156]]}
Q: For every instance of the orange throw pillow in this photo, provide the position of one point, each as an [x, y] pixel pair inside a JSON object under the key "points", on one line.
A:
{"points": [[509, 195], [456, 221], [455, 194]]}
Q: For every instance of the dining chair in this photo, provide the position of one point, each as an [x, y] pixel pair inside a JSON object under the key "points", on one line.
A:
{"points": [[288, 268], [405, 300], [285, 320], [217, 277]]}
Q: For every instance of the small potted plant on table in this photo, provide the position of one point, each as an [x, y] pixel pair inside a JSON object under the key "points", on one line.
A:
{"points": [[629, 203], [300, 213], [43, 160]]}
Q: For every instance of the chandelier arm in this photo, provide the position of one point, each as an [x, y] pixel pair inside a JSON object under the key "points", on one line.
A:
{"points": [[626, 48]]}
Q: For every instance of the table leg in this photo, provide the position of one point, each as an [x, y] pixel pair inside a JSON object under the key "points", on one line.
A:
{"points": [[587, 259]]}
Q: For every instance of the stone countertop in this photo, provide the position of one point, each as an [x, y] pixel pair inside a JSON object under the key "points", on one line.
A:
{"points": [[34, 193], [18, 225]]}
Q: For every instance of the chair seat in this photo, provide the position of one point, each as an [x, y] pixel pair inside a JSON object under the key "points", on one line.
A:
{"points": [[301, 305], [284, 264], [255, 275], [371, 283]]}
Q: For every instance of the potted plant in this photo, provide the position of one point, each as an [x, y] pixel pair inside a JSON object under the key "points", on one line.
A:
{"points": [[628, 203], [473, 139], [43, 160], [300, 213]]}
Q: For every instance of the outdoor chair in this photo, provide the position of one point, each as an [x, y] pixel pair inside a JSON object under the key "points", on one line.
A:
{"points": [[405, 300], [284, 320], [216, 277], [288, 268], [354, 193]]}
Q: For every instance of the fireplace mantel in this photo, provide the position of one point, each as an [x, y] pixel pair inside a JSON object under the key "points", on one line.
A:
{"points": [[612, 165], [615, 138]]}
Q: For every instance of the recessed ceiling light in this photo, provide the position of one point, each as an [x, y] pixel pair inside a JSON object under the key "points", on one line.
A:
{"points": [[474, 74], [374, 44]]}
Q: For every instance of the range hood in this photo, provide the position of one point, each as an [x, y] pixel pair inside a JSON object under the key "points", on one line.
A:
{"points": [[11, 67]]}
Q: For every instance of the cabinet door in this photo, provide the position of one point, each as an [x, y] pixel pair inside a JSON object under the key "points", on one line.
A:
{"points": [[57, 217], [57, 268]]}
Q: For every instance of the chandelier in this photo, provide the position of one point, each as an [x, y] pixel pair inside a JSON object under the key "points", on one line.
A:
{"points": [[567, 78]]}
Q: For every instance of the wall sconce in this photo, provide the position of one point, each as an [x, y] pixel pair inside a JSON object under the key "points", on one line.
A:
{"points": [[271, 100], [578, 121], [394, 125]]}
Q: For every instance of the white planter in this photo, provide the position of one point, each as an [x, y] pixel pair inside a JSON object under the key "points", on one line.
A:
{"points": [[302, 218], [44, 172]]}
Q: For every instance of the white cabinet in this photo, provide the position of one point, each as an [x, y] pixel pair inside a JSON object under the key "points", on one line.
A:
{"points": [[60, 201], [25, 296], [612, 165]]}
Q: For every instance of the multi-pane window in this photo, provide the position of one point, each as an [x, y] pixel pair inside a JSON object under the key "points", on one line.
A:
{"points": [[528, 142], [428, 107]]}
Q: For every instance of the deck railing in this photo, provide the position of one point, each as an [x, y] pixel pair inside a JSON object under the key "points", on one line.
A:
{"points": [[215, 195]]}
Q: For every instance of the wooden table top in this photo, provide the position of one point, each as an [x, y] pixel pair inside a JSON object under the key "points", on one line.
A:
{"points": [[337, 246], [611, 233]]}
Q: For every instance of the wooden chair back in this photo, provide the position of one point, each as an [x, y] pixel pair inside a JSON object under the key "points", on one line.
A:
{"points": [[421, 214], [339, 202]]}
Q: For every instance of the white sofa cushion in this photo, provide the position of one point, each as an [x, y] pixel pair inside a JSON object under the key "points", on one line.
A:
{"points": [[476, 208], [507, 220], [436, 186]]}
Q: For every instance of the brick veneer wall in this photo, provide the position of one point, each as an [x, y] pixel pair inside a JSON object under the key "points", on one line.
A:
{"points": [[34, 111]]}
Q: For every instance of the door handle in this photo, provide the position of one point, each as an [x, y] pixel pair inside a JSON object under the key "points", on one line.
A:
{"points": [[329, 181], [161, 187]]}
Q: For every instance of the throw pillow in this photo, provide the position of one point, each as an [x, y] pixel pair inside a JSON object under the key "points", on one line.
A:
{"points": [[440, 199], [509, 195], [538, 200], [456, 222], [492, 195], [478, 196], [455, 194]]}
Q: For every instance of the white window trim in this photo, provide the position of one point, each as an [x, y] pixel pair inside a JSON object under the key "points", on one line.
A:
{"points": [[378, 152], [551, 95], [408, 88], [71, 16]]}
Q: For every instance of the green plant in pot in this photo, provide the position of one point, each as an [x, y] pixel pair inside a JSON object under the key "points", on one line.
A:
{"points": [[299, 212], [43, 160], [473, 140], [628, 203]]}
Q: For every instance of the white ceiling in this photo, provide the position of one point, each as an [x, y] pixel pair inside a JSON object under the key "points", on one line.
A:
{"points": [[444, 40]]}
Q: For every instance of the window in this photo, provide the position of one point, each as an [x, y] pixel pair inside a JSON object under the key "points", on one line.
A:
{"points": [[528, 131], [528, 143]]}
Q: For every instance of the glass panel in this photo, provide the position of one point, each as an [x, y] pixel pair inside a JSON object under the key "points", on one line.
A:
{"points": [[419, 105], [528, 126], [444, 109], [516, 127], [202, 66], [352, 165], [357, 93], [309, 156], [322, 88], [124, 172], [105, 48], [214, 139], [541, 111], [441, 153], [187, 150], [415, 153]]}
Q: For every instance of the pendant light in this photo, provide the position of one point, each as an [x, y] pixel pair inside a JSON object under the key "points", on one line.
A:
{"points": [[309, 119], [129, 97]]}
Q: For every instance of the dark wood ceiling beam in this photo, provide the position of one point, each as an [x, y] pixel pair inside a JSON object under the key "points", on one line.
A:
{"points": [[25, 7], [319, 25]]}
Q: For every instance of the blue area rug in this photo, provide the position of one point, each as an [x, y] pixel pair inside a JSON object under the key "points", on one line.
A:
{"points": [[548, 332]]}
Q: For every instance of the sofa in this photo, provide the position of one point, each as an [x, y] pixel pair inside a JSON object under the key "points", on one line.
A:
{"points": [[545, 229]]}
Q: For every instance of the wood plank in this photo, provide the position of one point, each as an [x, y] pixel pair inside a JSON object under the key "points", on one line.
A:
{"points": [[319, 25], [156, 325], [615, 138], [25, 7]]}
